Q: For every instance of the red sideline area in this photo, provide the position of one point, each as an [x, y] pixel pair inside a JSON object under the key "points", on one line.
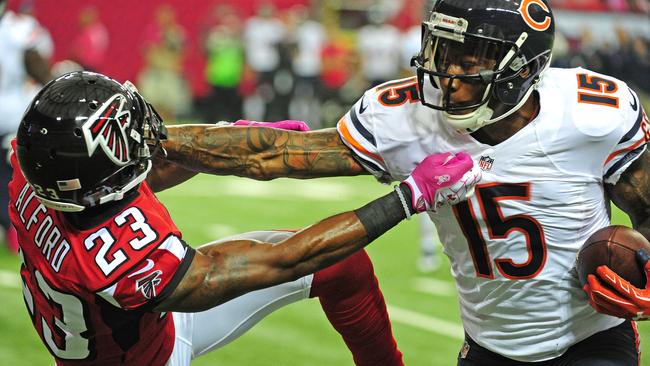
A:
{"points": [[127, 21]]}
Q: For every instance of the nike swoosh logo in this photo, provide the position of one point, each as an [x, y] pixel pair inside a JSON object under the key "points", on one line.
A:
{"points": [[144, 269], [362, 108], [634, 106]]}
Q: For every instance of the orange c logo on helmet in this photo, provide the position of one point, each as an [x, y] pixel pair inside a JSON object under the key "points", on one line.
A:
{"points": [[525, 13]]}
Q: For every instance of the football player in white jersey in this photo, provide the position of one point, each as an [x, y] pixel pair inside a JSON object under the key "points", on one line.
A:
{"points": [[555, 145], [23, 46]]}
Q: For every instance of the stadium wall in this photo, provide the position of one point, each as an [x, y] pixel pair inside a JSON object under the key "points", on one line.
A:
{"points": [[127, 20]]}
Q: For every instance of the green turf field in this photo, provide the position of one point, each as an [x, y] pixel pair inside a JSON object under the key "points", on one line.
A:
{"points": [[423, 308]]}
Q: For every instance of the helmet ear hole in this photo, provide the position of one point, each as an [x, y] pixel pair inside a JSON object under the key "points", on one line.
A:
{"points": [[93, 105], [52, 154], [77, 132]]}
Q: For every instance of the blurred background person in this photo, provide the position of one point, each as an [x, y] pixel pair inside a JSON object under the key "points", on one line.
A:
{"points": [[262, 36], [338, 66], [25, 47], [308, 39], [411, 44], [90, 47], [161, 80], [379, 48], [224, 66], [429, 260]]}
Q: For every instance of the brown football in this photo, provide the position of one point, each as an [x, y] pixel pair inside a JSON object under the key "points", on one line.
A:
{"points": [[614, 246]]}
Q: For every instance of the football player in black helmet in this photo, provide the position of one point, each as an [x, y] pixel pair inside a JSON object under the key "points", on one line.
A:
{"points": [[499, 48], [84, 141], [555, 146], [95, 241]]}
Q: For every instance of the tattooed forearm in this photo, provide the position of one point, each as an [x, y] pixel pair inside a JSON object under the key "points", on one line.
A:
{"points": [[260, 153], [632, 193]]}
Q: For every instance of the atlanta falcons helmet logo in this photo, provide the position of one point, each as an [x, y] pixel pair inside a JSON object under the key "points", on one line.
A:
{"points": [[107, 128]]}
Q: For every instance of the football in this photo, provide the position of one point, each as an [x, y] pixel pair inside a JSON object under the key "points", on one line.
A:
{"points": [[614, 246]]}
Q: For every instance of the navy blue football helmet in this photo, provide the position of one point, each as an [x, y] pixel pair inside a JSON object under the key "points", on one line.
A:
{"points": [[84, 141], [502, 46]]}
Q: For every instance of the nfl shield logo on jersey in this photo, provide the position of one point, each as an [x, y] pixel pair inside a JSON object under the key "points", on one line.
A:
{"points": [[485, 163]]}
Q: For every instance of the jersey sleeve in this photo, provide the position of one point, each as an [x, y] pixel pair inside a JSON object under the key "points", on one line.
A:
{"points": [[632, 144], [34, 36], [153, 279], [356, 131]]}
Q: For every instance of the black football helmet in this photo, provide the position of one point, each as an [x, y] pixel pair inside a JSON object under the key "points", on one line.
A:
{"points": [[83, 141], [502, 46]]}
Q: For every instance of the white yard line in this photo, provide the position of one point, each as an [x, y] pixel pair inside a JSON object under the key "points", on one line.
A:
{"points": [[426, 322], [415, 319], [9, 279], [433, 286]]}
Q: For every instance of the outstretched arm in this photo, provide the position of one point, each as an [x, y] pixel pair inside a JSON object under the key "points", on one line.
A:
{"points": [[220, 272], [223, 271], [260, 153]]}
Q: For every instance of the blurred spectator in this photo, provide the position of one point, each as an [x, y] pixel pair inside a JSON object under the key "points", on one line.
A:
{"points": [[262, 36], [429, 260], [337, 69], [90, 47], [642, 6], [161, 81], [308, 38], [411, 14], [379, 49], [225, 66], [627, 58], [640, 61], [411, 43], [25, 47]]}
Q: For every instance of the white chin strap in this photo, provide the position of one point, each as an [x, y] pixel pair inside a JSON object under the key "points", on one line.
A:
{"points": [[119, 194], [60, 206], [482, 116], [470, 122]]}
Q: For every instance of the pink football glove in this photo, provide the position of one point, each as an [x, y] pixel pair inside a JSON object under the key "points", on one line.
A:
{"points": [[281, 125], [610, 294], [442, 179]]}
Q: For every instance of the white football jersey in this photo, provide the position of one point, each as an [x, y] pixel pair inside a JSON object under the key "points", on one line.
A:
{"points": [[512, 246], [18, 33]]}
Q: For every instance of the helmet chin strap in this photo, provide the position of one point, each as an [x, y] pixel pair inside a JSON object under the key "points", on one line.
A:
{"points": [[482, 116], [470, 122], [119, 194]]}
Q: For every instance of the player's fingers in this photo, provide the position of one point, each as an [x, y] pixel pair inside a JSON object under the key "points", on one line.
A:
{"points": [[598, 307], [619, 284], [462, 161], [606, 297], [606, 308]]}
